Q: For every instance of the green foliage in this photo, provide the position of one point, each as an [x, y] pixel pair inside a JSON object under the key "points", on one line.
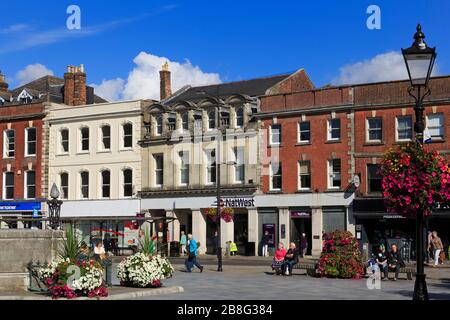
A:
{"points": [[147, 244], [70, 246]]}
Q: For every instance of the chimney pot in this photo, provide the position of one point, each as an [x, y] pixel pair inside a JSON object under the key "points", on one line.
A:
{"points": [[75, 93], [165, 82]]}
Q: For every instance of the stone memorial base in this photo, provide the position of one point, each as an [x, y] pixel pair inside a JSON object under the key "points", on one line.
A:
{"points": [[19, 247]]}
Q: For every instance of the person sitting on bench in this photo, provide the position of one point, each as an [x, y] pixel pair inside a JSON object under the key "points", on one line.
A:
{"points": [[290, 259], [278, 259], [395, 262]]}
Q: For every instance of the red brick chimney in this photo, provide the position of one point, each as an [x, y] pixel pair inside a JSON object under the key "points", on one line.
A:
{"points": [[3, 85], [75, 86], [165, 82]]}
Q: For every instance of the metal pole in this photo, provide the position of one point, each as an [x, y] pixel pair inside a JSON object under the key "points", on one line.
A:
{"points": [[219, 242], [420, 286]]}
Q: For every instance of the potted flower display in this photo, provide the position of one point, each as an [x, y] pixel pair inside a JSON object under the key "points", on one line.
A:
{"points": [[71, 277], [144, 269]]}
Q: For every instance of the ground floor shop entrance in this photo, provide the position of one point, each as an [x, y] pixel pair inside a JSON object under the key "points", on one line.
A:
{"points": [[301, 224]]}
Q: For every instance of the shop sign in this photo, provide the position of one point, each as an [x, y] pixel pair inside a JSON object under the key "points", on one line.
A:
{"points": [[236, 202], [393, 216], [300, 214], [20, 206]]}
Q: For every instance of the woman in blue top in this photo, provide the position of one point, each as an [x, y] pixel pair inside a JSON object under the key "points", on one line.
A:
{"points": [[192, 260], [183, 242]]}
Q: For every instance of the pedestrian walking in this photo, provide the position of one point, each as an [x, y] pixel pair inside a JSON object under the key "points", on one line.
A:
{"points": [[183, 242], [193, 253], [265, 244], [436, 243], [303, 244]]}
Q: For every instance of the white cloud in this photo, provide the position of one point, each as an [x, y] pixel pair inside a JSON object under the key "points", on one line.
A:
{"points": [[32, 72], [15, 28], [383, 67], [143, 80], [110, 90]]}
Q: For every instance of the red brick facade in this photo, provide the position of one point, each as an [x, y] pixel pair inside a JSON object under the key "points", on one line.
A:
{"points": [[353, 105], [18, 118]]}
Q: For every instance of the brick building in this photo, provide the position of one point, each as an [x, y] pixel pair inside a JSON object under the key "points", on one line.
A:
{"points": [[23, 186], [324, 138]]}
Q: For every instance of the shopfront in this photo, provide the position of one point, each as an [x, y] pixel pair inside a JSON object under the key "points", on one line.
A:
{"points": [[12, 210], [301, 223]]}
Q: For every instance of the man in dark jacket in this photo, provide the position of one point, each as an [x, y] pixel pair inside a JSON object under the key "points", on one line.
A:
{"points": [[290, 259], [395, 261]]}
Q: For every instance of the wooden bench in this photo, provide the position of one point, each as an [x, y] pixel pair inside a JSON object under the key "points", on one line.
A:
{"points": [[406, 270], [310, 269]]}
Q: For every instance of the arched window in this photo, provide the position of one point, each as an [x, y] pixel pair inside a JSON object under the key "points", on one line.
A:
{"points": [[159, 125], [106, 184], [64, 140], [64, 183], [106, 137], [239, 117], [127, 183], [84, 139], [84, 185], [211, 119], [127, 135], [185, 121]]}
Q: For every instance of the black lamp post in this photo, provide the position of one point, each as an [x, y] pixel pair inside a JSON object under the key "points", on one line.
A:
{"points": [[54, 206], [419, 60], [217, 156]]}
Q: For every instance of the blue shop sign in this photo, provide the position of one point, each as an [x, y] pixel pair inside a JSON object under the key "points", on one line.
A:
{"points": [[20, 206]]}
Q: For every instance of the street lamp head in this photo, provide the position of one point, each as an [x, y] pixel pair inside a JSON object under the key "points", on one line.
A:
{"points": [[419, 59], [54, 192]]}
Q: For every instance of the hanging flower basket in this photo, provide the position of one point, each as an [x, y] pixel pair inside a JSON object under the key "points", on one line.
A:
{"points": [[414, 179], [226, 214]]}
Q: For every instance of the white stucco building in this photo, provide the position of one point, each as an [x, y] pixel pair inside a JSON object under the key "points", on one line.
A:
{"points": [[95, 160]]}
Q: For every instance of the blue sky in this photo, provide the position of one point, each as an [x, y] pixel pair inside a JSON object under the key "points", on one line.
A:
{"points": [[226, 40]]}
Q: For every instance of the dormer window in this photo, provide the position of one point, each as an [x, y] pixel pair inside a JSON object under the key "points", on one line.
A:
{"points": [[159, 125], [198, 120], [185, 121], [211, 119], [25, 97], [172, 122], [224, 118], [240, 117]]}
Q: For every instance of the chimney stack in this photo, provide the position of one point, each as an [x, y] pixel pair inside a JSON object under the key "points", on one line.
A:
{"points": [[75, 86], [165, 82], [3, 85]]}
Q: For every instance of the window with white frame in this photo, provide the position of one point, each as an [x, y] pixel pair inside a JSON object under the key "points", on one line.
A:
{"points": [[64, 183], [8, 185], [106, 137], [239, 165], [374, 178], [275, 176], [127, 183], [374, 130], [435, 126], [184, 168], [84, 135], [334, 129], [210, 166], [304, 175], [211, 119], [304, 132], [239, 117], [334, 174], [9, 145], [30, 184], [106, 183], [64, 139], [30, 142], [159, 125], [84, 185], [404, 130], [275, 134], [158, 160], [127, 132], [185, 121]]}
